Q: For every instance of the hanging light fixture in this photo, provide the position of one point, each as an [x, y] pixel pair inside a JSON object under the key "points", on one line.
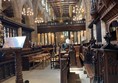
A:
{"points": [[27, 11], [7, 0], [39, 20], [78, 13]]}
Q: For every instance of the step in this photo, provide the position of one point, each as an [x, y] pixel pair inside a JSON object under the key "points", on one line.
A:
{"points": [[74, 78]]}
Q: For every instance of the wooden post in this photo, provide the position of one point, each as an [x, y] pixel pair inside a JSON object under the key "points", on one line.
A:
{"points": [[18, 66]]}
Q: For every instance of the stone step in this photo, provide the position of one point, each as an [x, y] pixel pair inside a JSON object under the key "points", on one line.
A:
{"points": [[82, 75], [74, 78]]}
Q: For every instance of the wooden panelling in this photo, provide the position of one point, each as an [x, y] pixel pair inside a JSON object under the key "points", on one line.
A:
{"points": [[7, 69], [60, 28]]}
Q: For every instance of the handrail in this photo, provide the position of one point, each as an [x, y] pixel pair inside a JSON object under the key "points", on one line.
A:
{"points": [[80, 22]]}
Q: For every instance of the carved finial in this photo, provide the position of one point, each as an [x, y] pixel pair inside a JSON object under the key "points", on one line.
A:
{"points": [[108, 38], [92, 41]]}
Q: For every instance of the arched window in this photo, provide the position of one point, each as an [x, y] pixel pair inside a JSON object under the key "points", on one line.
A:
{"points": [[113, 30]]}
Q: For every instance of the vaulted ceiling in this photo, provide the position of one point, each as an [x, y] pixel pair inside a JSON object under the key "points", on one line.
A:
{"points": [[62, 8]]}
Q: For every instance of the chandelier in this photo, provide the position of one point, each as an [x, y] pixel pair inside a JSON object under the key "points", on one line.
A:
{"points": [[78, 13], [39, 20], [6, 0], [27, 12]]}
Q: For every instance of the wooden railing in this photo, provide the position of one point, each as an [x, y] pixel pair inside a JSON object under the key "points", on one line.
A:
{"points": [[80, 22], [58, 27]]}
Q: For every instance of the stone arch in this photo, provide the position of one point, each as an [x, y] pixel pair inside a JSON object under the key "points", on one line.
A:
{"points": [[113, 29]]}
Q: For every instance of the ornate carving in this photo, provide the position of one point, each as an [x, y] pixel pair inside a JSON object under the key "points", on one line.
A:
{"points": [[94, 8], [108, 38]]}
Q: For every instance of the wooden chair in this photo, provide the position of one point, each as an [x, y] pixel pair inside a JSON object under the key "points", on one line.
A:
{"points": [[54, 60]]}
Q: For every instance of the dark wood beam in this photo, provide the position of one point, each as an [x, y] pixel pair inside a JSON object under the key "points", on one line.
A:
{"points": [[7, 21]]}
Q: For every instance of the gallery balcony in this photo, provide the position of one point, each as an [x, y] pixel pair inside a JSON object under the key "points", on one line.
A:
{"points": [[58, 27]]}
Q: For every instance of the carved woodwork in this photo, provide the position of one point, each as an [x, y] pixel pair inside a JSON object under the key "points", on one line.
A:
{"points": [[7, 69], [106, 9], [94, 8], [64, 69], [18, 66], [58, 27], [106, 66]]}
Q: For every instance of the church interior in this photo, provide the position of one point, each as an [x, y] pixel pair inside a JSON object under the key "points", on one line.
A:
{"points": [[58, 41]]}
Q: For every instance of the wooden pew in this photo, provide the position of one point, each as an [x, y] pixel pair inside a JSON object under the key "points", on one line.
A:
{"points": [[27, 60], [89, 67], [106, 66], [64, 69]]}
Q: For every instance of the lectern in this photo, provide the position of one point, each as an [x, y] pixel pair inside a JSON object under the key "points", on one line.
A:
{"points": [[14, 45]]}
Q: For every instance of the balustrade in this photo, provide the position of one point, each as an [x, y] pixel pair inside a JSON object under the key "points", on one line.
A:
{"points": [[62, 24]]}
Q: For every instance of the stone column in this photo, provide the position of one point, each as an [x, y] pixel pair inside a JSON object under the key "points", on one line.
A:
{"points": [[94, 31], [87, 5], [18, 19], [77, 37], [55, 41], [17, 14], [51, 38], [103, 31], [47, 39], [0, 6], [39, 39], [43, 38]]}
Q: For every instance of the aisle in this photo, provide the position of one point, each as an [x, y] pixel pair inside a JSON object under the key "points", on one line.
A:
{"points": [[39, 75]]}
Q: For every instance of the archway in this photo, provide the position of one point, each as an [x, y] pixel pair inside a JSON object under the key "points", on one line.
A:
{"points": [[113, 29]]}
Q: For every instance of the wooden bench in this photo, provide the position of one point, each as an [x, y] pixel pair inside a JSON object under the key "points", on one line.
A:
{"points": [[64, 69]]}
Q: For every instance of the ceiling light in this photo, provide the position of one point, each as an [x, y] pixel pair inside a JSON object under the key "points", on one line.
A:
{"points": [[27, 11], [6, 0]]}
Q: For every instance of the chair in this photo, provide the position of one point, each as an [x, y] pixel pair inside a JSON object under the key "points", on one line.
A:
{"points": [[54, 60]]}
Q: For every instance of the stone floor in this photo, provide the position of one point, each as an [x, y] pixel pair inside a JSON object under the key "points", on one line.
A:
{"points": [[39, 75], [80, 71], [48, 75]]}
